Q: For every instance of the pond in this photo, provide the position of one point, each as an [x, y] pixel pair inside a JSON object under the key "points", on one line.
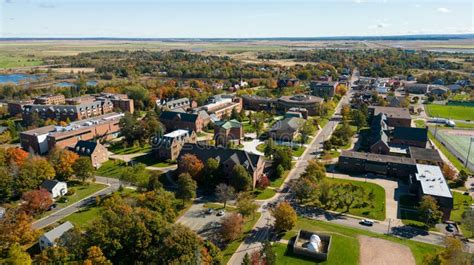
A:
{"points": [[70, 84], [16, 78]]}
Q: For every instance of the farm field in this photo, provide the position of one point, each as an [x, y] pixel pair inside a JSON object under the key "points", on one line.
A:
{"points": [[450, 112]]}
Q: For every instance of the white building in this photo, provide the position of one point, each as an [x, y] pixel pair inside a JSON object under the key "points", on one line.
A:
{"points": [[56, 188], [49, 239]]}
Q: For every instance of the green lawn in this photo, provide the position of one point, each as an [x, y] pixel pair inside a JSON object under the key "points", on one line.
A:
{"points": [[118, 149], [420, 124], [263, 194], [276, 182], [81, 191], [345, 246], [111, 168], [450, 112], [84, 217], [261, 147], [377, 210], [229, 250], [298, 151], [151, 160], [412, 218], [330, 154], [461, 203], [464, 125]]}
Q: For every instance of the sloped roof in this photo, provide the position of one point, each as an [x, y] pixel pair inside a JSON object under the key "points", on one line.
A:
{"points": [[57, 232], [85, 148], [378, 128], [229, 124], [49, 184], [221, 154], [409, 133], [170, 115], [289, 124]]}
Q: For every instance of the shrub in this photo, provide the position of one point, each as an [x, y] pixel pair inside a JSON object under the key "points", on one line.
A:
{"points": [[71, 191], [263, 182]]}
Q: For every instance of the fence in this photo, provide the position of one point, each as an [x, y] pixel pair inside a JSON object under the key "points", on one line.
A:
{"points": [[461, 157]]}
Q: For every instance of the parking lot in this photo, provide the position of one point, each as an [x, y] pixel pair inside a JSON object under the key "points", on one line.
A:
{"points": [[197, 220]]}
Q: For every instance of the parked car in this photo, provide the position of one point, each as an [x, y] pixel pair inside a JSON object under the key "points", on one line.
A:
{"points": [[367, 222], [220, 213], [450, 228], [52, 207], [209, 211]]}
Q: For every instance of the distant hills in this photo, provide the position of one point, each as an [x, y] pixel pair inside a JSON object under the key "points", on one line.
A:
{"points": [[341, 38]]}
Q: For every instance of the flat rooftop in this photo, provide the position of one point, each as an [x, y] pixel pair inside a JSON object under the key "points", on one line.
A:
{"points": [[379, 158], [176, 133], [432, 181], [392, 112]]}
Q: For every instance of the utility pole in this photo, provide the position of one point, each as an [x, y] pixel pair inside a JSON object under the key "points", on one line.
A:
{"points": [[389, 223], [469, 151]]}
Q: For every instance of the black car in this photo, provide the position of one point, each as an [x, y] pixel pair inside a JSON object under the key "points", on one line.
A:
{"points": [[52, 207]]}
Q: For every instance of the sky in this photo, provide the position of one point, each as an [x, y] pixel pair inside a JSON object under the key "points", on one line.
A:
{"points": [[233, 18]]}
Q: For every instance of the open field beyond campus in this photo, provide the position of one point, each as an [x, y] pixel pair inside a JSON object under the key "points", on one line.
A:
{"points": [[346, 245], [450, 112], [459, 140]]}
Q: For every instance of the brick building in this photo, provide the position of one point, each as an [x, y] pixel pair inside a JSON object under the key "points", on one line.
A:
{"points": [[257, 103], [396, 117], [92, 149], [41, 140], [174, 120], [323, 89], [227, 158], [17, 107], [310, 103], [409, 136], [169, 145], [50, 100], [222, 105], [228, 132]]}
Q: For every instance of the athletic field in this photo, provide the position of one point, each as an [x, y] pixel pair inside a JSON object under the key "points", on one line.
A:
{"points": [[459, 141], [450, 112]]}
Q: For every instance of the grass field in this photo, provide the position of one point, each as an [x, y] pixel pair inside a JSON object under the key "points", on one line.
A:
{"points": [[461, 203], [111, 168], [345, 245], [118, 149], [377, 210], [264, 194], [82, 191], [450, 112], [11, 61], [457, 164]]}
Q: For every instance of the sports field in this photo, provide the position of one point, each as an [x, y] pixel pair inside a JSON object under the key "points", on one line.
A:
{"points": [[459, 141], [450, 112]]}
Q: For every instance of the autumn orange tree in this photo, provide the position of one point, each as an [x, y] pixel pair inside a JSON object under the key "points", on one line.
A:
{"points": [[16, 156], [62, 161], [285, 217], [190, 164], [231, 227], [36, 201], [15, 228], [32, 173]]}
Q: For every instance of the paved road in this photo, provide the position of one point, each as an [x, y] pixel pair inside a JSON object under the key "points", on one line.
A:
{"points": [[264, 225], [113, 185]]}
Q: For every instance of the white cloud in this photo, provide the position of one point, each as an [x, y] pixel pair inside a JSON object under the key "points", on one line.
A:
{"points": [[443, 10]]}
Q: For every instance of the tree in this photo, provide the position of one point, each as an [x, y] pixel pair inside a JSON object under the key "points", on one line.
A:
{"points": [[268, 254], [154, 182], [304, 189], [341, 89], [53, 255], [96, 257], [307, 130], [285, 217], [62, 161], [349, 194], [231, 227], [136, 175], [83, 168], [186, 187], [16, 156], [17, 256], [346, 112], [264, 182], [245, 205], [315, 171], [190, 164], [448, 171], [32, 173], [429, 211], [241, 179], [15, 228], [6, 184], [360, 119], [159, 201], [36, 201], [327, 145], [454, 253], [181, 246], [210, 173], [224, 193], [468, 219], [246, 260], [282, 156]]}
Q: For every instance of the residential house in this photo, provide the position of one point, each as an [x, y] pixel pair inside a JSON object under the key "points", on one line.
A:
{"points": [[323, 89], [227, 158], [429, 180], [228, 132], [56, 188], [94, 150], [49, 239], [438, 91], [168, 146], [174, 120], [286, 129]]}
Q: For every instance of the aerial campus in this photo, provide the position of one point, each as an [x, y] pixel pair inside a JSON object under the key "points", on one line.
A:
{"points": [[342, 150]]}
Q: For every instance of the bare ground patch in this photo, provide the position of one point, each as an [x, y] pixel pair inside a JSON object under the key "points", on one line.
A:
{"points": [[375, 251]]}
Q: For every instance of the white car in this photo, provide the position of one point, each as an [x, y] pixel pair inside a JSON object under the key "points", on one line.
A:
{"points": [[220, 213], [367, 222]]}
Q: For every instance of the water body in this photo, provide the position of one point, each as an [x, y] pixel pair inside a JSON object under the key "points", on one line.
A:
{"points": [[16, 78], [70, 84]]}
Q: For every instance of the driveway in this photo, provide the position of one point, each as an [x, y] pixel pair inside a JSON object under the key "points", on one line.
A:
{"points": [[251, 146]]}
